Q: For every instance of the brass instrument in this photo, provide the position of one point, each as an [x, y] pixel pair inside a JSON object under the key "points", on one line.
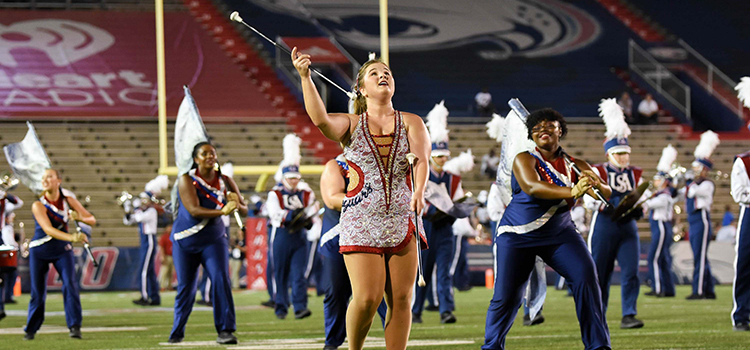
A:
{"points": [[8, 181], [124, 197]]}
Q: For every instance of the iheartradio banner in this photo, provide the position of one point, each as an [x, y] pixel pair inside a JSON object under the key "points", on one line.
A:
{"points": [[103, 64]]}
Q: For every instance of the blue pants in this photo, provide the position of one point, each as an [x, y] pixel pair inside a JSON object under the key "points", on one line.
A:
{"points": [[215, 262], [269, 266], [289, 255], [571, 260], [10, 282], [147, 280], [700, 234], [38, 269], [660, 259], [438, 257], [460, 265], [314, 268], [204, 286], [337, 299], [609, 241], [741, 286]]}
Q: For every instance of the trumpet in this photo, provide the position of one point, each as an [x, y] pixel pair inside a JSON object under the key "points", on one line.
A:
{"points": [[124, 197], [8, 182]]}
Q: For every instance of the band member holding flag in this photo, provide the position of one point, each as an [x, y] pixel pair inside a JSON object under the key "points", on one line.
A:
{"points": [[378, 214], [198, 233], [660, 208], [699, 196], [444, 187], [51, 243], [291, 206], [613, 237], [142, 212], [741, 194], [537, 222]]}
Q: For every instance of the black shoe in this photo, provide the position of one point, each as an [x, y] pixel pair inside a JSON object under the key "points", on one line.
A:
{"points": [[302, 314], [2, 315], [630, 322], [268, 303], [527, 321], [204, 303], [226, 338], [447, 317], [154, 303], [75, 332], [695, 297], [432, 308], [141, 302], [653, 294], [281, 316], [416, 318], [11, 301], [668, 295], [330, 347], [28, 336], [174, 340], [741, 327], [711, 296]]}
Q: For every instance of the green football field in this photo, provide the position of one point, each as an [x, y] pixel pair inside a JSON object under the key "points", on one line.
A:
{"points": [[111, 321]]}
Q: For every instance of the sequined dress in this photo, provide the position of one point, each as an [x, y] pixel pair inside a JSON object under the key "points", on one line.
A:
{"points": [[376, 216]]}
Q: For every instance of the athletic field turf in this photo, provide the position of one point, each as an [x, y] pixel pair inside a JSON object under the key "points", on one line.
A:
{"points": [[111, 321]]}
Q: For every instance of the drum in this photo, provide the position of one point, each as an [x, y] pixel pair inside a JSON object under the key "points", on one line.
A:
{"points": [[8, 258]]}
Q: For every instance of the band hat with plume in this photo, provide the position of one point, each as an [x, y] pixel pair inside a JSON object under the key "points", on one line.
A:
{"points": [[617, 129], [227, 169], [495, 127], [437, 124], [461, 164], [707, 145], [289, 166], [668, 157], [155, 186], [743, 92]]}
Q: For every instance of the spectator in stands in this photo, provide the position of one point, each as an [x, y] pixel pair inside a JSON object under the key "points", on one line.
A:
{"points": [[728, 216], [489, 163], [648, 110], [727, 233], [484, 105], [626, 103], [166, 271]]}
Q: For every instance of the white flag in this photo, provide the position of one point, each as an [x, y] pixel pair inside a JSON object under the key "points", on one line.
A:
{"points": [[188, 132], [28, 160]]}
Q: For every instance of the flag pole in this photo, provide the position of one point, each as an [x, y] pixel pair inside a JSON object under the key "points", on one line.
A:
{"points": [[161, 82]]}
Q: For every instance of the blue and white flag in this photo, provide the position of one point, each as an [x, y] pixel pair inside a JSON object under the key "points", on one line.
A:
{"points": [[28, 160], [188, 132]]}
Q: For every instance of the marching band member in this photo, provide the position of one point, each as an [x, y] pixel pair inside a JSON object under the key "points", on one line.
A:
{"points": [[199, 239], [146, 216], [699, 195], [659, 207], [377, 219], [51, 244], [333, 183], [291, 205], [438, 225], [613, 238], [8, 203], [741, 195], [537, 222]]}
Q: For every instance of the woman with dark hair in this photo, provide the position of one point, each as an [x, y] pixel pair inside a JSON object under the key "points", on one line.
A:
{"points": [[199, 238], [537, 222], [52, 244], [378, 213]]}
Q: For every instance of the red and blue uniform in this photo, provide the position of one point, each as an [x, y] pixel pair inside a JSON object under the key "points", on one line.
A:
{"points": [[532, 227], [741, 285]]}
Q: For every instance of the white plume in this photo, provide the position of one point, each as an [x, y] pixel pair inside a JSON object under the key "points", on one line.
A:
{"points": [[158, 184], [461, 164], [371, 56], [291, 145], [278, 176], [707, 145], [743, 91], [495, 127], [437, 123], [614, 119], [228, 169], [668, 157]]}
